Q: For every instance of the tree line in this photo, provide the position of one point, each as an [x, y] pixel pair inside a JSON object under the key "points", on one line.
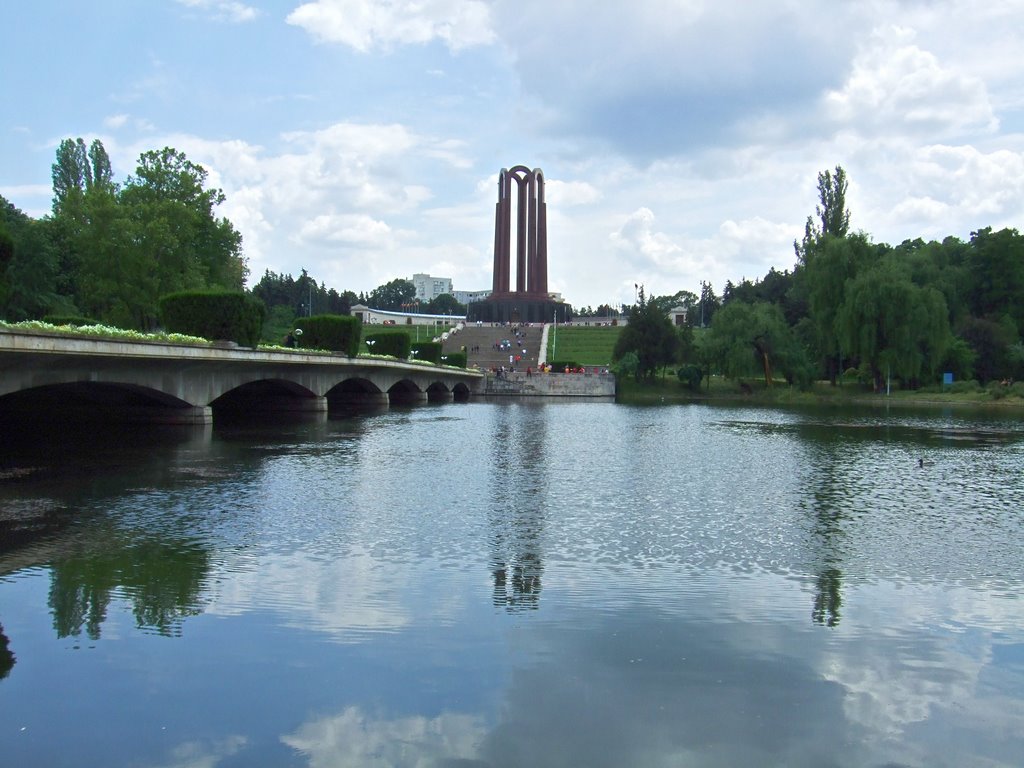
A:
{"points": [[108, 251], [885, 315]]}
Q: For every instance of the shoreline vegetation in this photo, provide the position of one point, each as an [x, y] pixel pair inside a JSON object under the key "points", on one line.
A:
{"points": [[669, 391]]}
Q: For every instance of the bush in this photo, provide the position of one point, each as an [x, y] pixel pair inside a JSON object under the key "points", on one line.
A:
{"points": [[69, 320], [457, 359], [390, 344], [337, 333], [428, 351], [214, 315], [963, 387], [690, 376]]}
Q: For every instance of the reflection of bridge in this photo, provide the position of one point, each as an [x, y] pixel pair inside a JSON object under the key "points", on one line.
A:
{"points": [[181, 384]]}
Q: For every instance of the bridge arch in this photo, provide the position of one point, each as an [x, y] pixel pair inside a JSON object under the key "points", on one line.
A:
{"points": [[98, 402], [268, 396]]}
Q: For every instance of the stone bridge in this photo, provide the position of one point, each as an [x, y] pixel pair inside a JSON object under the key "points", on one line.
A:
{"points": [[71, 376]]}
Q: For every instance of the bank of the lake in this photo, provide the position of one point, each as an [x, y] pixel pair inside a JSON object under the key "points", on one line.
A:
{"points": [[669, 390]]}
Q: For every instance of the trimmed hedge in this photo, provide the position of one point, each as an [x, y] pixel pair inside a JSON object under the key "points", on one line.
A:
{"points": [[69, 320], [338, 333], [215, 315], [392, 344], [428, 351], [458, 359]]}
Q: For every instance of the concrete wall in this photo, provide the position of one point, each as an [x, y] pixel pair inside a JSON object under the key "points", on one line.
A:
{"points": [[586, 385]]}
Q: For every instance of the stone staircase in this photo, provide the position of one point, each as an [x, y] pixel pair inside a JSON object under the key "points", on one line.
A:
{"points": [[480, 340]]}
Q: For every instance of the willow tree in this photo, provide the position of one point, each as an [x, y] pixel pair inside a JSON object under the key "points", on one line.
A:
{"points": [[749, 339], [895, 327]]}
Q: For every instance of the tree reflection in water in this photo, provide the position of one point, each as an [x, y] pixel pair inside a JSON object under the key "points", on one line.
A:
{"points": [[163, 580], [6, 655]]}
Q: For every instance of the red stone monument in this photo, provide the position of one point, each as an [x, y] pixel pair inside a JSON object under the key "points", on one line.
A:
{"points": [[529, 301]]}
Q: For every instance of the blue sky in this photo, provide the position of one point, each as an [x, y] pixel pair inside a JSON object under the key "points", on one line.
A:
{"points": [[681, 139]]}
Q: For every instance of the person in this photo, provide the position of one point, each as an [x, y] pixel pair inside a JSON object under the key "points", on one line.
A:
{"points": [[289, 340]]}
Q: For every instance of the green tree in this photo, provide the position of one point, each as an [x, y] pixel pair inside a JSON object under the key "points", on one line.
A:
{"points": [[996, 263], [392, 295], [895, 327], [833, 218], [445, 304], [28, 266], [831, 263], [745, 339], [650, 335], [178, 227]]}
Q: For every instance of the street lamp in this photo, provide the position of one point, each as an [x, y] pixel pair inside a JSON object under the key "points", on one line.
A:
{"points": [[370, 343]]}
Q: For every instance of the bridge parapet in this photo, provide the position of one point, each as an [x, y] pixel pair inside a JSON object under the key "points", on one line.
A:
{"points": [[192, 379]]}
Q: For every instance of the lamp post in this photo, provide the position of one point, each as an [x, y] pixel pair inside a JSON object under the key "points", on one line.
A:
{"points": [[369, 344]]}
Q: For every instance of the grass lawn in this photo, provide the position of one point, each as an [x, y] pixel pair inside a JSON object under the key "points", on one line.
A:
{"points": [[585, 346]]}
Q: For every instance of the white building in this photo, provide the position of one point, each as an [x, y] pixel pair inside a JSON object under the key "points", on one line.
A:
{"points": [[429, 288], [465, 297]]}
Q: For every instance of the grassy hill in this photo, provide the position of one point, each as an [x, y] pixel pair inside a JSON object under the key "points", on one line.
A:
{"points": [[588, 345]]}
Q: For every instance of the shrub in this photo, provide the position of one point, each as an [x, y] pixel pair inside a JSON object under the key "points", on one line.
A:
{"points": [[458, 359], [69, 320], [214, 315], [428, 351], [337, 333], [963, 387], [690, 376], [392, 344]]}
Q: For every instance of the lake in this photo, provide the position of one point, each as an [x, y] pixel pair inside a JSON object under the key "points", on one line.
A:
{"points": [[519, 584]]}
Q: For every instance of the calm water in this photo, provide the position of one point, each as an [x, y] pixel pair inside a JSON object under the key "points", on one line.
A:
{"points": [[520, 585]]}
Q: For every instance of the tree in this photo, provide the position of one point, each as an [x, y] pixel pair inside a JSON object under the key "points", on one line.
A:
{"points": [[831, 264], [28, 265], [392, 295], [833, 218], [893, 326], [169, 236], [996, 264], [445, 304], [747, 338], [650, 335]]}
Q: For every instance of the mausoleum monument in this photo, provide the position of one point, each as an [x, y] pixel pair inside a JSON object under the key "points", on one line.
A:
{"points": [[529, 301]]}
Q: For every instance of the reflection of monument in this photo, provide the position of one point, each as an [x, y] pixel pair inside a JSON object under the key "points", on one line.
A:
{"points": [[529, 301]]}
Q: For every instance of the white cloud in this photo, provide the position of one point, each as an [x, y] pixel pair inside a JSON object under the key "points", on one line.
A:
{"points": [[366, 25], [351, 738], [194, 754], [637, 237], [224, 10], [897, 85], [338, 229]]}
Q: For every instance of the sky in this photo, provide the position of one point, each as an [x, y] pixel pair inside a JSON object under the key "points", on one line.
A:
{"points": [[681, 140]]}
